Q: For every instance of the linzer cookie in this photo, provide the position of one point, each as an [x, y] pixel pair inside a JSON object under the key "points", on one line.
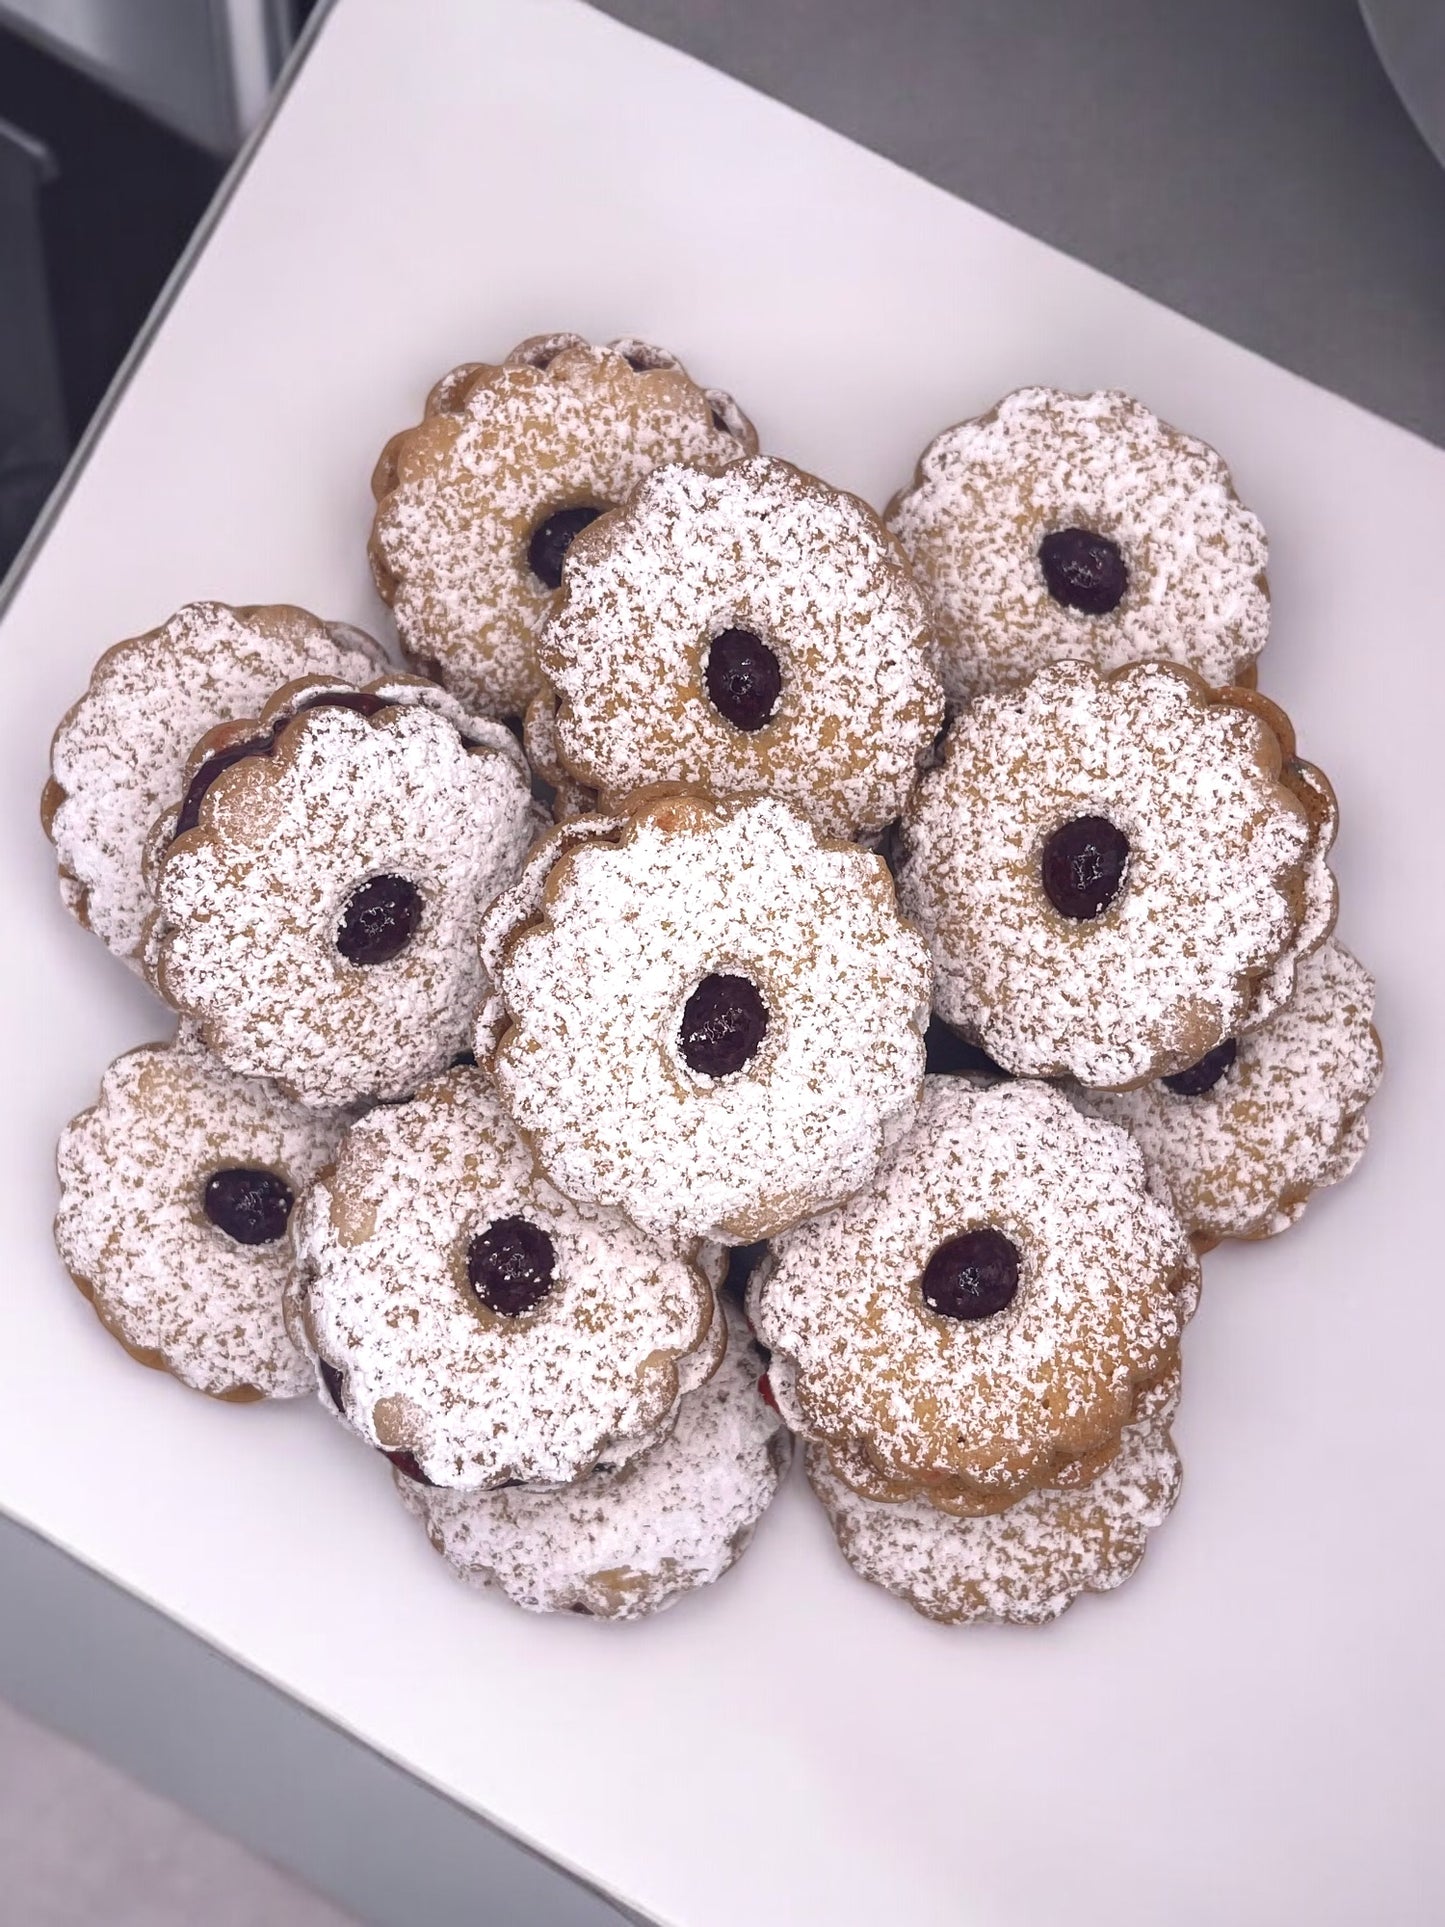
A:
{"points": [[175, 1201], [473, 1322], [624, 1543], [1109, 867], [1026, 1565], [748, 631], [714, 1021], [119, 755], [1082, 527], [316, 903], [476, 506], [1241, 1141], [984, 1317]]}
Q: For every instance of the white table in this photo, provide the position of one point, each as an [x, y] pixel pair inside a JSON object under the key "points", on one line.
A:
{"points": [[1248, 1732]]}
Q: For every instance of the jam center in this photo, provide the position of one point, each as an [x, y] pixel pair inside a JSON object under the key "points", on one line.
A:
{"points": [[379, 921], [972, 1276], [724, 1022], [1083, 866], [552, 538], [249, 1205], [511, 1266], [744, 679], [1084, 570], [1204, 1075]]}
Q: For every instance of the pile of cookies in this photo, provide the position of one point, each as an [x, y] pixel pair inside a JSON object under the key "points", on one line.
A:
{"points": [[762, 970]]}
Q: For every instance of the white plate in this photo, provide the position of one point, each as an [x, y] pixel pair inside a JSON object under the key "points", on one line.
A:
{"points": [[1250, 1730]]}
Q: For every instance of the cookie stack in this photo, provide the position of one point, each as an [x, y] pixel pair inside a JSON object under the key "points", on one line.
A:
{"points": [[762, 970]]}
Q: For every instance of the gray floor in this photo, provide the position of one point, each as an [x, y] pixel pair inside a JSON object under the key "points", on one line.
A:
{"points": [[81, 1844], [1244, 161]]}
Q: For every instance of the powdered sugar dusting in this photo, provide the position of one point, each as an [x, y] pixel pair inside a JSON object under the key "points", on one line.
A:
{"points": [[764, 548], [460, 495], [119, 754], [623, 1544], [522, 903], [996, 1403], [477, 1397], [131, 1228], [1321, 893], [988, 491], [1241, 1160], [1023, 1566], [1212, 897], [249, 901], [591, 1068]]}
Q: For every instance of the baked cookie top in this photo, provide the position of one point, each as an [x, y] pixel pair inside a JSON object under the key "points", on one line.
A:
{"points": [[470, 1317], [715, 1019], [625, 1543], [752, 630], [120, 752], [1239, 1142], [476, 505], [1107, 866], [317, 903], [1025, 1566], [176, 1192], [1082, 527], [989, 1308]]}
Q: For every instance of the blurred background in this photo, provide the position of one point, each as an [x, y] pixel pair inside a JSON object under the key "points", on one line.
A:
{"points": [[1273, 168]]}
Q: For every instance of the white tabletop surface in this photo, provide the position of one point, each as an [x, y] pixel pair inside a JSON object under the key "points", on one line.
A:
{"points": [[1250, 1730]]}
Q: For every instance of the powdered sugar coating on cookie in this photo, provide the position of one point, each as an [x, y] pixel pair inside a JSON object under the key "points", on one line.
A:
{"points": [[1211, 899], [1321, 900], [521, 903], [174, 1288], [619, 1545], [994, 1404], [425, 1366], [1242, 1159], [118, 756], [988, 491], [252, 901], [762, 549], [641, 356], [596, 990], [460, 496], [1023, 1566]]}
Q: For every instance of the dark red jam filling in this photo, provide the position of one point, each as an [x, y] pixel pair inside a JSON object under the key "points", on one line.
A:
{"points": [[250, 1205], [511, 1266], [552, 538], [972, 1276], [743, 678], [723, 1025], [1083, 866], [1204, 1075], [1084, 570]]}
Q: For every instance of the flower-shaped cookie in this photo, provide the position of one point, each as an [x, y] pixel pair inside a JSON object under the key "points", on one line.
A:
{"points": [[985, 1314], [1082, 527], [1107, 867], [625, 1543], [469, 1318], [119, 755], [175, 1200], [477, 504], [715, 1020], [750, 630], [317, 903], [1024, 1566], [1240, 1141]]}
